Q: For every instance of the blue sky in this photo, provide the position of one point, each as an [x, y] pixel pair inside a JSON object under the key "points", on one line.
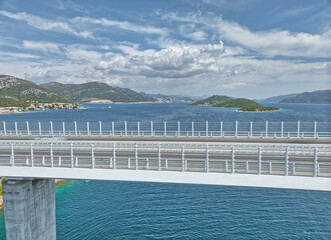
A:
{"points": [[243, 48]]}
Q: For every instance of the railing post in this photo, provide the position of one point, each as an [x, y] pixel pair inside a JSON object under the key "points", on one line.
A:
{"points": [[51, 154], [92, 156], [51, 125], [64, 128], [138, 128], [178, 129], [159, 157], [315, 129], [72, 156], [236, 130], [113, 128], [27, 127], [286, 161], [298, 129], [152, 130], [207, 129], [75, 124], [12, 156], [125, 128], [282, 129], [232, 160], [251, 129], [60, 161], [100, 128], [114, 156], [315, 162], [165, 128], [270, 167], [76, 161], [4, 128], [259, 162], [39, 128], [221, 129], [88, 128], [136, 157], [16, 129], [207, 159], [266, 128], [183, 159], [192, 129], [31, 155]]}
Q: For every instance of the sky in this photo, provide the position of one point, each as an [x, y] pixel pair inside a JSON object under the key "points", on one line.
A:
{"points": [[243, 48]]}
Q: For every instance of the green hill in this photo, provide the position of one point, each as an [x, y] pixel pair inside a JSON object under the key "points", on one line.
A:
{"points": [[22, 91], [244, 105], [316, 97], [6, 101], [97, 90], [212, 100]]}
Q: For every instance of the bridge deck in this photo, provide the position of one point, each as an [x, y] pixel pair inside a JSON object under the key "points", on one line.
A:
{"points": [[110, 160]]}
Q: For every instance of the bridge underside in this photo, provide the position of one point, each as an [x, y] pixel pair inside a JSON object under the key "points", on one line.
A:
{"points": [[226, 179]]}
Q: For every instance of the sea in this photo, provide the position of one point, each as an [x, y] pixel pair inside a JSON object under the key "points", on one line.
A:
{"points": [[133, 210]]}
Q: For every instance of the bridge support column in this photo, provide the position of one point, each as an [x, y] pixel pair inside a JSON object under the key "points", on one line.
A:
{"points": [[29, 209]]}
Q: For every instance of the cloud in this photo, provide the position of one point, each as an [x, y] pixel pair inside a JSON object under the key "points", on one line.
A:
{"points": [[42, 46], [231, 85], [45, 24], [277, 43], [269, 43], [172, 62], [124, 25]]}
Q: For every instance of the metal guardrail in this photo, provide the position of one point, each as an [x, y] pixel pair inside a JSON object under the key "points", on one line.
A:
{"points": [[170, 129], [265, 159]]}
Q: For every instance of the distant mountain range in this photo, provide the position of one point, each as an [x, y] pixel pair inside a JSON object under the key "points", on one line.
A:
{"points": [[212, 100], [279, 98], [172, 98], [316, 97], [17, 92], [96, 90]]}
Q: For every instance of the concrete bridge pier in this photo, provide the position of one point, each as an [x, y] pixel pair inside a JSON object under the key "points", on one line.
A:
{"points": [[29, 209]]}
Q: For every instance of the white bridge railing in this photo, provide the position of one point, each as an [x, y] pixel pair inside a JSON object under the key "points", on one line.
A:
{"points": [[260, 159], [167, 129]]}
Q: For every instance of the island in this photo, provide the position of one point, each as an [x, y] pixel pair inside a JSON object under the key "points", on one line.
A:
{"points": [[243, 104]]}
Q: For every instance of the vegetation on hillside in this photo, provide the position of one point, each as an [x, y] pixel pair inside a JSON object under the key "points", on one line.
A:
{"points": [[244, 105], [212, 100], [6, 101], [97, 90], [24, 91]]}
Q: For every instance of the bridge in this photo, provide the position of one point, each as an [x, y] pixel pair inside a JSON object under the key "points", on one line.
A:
{"points": [[278, 155]]}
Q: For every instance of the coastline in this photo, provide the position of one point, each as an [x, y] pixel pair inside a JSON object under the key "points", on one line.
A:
{"points": [[238, 110]]}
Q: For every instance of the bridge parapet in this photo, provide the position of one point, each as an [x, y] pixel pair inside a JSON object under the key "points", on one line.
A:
{"points": [[234, 158], [315, 130]]}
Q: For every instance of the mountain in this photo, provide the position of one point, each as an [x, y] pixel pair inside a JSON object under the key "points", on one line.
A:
{"points": [[96, 90], [279, 98], [15, 91], [244, 105], [172, 98], [317, 97], [212, 100]]}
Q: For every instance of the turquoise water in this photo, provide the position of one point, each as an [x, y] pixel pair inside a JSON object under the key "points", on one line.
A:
{"points": [[131, 210]]}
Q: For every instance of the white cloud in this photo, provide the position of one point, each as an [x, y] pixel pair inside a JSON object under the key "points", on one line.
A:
{"points": [[124, 25], [45, 24], [231, 85], [269, 43], [42, 46]]}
